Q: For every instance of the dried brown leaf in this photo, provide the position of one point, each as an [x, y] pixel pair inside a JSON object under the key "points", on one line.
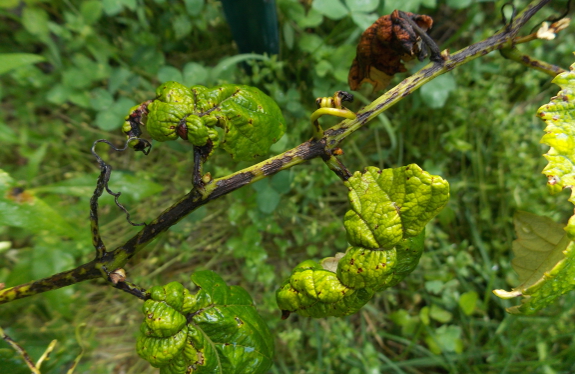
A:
{"points": [[383, 48]]}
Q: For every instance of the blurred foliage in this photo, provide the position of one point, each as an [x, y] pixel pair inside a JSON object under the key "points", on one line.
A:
{"points": [[70, 71]]}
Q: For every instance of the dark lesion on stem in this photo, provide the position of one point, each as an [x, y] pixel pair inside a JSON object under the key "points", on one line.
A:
{"points": [[511, 52], [201, 154], [135, 119]]}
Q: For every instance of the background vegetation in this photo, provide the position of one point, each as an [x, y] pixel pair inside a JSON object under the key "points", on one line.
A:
{"points": [[474, 126]]}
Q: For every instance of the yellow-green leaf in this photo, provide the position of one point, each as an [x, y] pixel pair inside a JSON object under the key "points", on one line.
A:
{"points": [[545, 255], [385, 227]]}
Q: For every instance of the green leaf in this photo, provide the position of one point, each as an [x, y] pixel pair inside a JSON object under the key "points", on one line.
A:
{"points": [[385, 227], [7, 134], [217, 330], [132, 187], [182, 26], [112, 7], [322, 68], [440, 314], [310, 42], [405, 5], [289, 35], [194, 7], [35, 20], [458, 4], [58, 94], [332, 9], [435, 93], [268, 199], [194, 73], [312, 19], [365, 6], [7, 4], [445, 339], [91, 11], [10, 61], [108, 120], [558, 116], [363, 20], [21, 208], [545, 259], [313, 291], [539, 246], [101, 99], [281, 182], [169, 73], [541, 250], [467, 302], [390, 204], [227, 65], [118, 77], [251, 120]]}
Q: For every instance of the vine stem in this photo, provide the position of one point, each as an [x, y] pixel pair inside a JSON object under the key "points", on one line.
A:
{"points": [[306, 151], [502, 39]]}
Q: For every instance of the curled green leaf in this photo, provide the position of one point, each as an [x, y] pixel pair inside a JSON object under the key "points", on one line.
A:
{"points": [[217, 330], [385, 227], [250, 121]]}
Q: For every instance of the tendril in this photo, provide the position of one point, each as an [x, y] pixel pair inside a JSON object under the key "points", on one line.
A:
{"points": [[504, 19], [107, 171]]}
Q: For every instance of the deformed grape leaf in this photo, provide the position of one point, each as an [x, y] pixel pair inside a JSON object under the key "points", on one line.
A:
{"points": [[228, 320], [385, 227], [547, 272], [559, 116], [391, 204], [383, 48], [216, 331], [251, 121]]}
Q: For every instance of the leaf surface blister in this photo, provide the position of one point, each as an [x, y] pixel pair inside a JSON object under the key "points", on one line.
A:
{"points": [[389, 211], [217, 330]]}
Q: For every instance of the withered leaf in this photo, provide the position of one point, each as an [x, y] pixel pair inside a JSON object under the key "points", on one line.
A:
{"points": [[383, 48]]}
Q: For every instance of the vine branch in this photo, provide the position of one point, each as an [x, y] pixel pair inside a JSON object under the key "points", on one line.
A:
{"points": [[326, 148]]}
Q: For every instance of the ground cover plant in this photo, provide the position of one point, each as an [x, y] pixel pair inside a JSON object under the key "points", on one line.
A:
{"points": [[475, 127]]}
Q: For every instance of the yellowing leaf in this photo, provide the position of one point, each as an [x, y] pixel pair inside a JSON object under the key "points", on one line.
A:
{"points": [[385, 227], [545, 256], [539, 246]]}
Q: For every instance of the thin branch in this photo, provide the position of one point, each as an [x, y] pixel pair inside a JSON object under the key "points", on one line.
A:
{"points": [[514, 54], [306, 151], [21, 351]]}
